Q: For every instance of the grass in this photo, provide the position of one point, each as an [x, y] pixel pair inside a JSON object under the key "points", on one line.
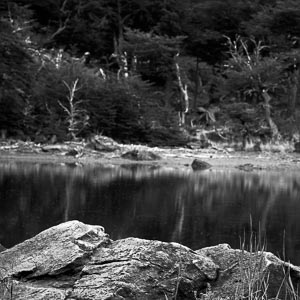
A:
{"points": [[282, 147], [256, 145], [254, 276], [251, 268]]}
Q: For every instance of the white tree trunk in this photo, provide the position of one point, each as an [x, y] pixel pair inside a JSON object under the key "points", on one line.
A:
{"points": [[185, 95]]}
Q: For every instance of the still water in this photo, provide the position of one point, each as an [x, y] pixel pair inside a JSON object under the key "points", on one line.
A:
{"points": [[197, 209]]}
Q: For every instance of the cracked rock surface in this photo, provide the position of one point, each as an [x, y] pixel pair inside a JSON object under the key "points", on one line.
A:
{"points": [[78, 261], [73, 261]]}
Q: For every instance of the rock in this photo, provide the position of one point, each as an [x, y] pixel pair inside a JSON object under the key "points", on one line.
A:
{"points": [[47, 265], [248, 167], [55, 148], [141, 269], [199, 165], [70, 149], [140, 155], [78, 261], [102, 143], [297, 147], [241, 271]]}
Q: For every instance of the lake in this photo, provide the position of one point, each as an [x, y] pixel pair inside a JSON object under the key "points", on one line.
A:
{"points": [[197, 209]]}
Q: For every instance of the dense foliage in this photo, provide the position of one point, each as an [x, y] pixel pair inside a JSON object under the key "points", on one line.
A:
{"points": [[149, 71]]}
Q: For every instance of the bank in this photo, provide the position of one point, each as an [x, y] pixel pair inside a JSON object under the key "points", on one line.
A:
{"points": [[106, 151]]}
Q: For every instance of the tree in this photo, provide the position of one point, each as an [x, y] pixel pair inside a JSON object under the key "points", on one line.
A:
{"points": [[183, 87], [149, 61], [278, 26], [154, 54], [16, 79], [208, 21], [253, 77], [77, 118]]}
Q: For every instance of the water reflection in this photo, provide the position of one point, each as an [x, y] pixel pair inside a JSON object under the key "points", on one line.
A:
{"points": [[196, 209]]}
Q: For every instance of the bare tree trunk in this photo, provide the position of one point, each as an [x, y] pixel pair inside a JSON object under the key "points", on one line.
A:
{"points": [[119, 53], [267, 106], [198, 83], [185, 95], [293, 84]]}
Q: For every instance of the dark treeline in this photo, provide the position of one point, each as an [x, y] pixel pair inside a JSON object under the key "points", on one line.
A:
{"points": [[149, 71]]}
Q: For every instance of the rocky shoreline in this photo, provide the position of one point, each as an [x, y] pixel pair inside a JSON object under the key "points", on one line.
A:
{"points": [[74, 261], [106, 151]]}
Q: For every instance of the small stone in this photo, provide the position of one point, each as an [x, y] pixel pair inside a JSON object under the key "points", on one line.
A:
{"points": [[199, 165], [246, 167]]}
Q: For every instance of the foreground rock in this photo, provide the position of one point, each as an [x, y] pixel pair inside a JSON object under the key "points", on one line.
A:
{"points": [[46, 266], [78, 261]]}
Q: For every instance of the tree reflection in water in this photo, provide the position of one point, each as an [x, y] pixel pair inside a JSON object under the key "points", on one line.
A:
{"points": [[197, 209]]}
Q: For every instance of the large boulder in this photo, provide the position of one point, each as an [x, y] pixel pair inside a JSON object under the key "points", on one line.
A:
{"points": [[78, 261], [47, 265], [141, 269]]}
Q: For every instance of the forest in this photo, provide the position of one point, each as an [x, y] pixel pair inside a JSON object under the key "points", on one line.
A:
{"points": [[155, 72]]}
